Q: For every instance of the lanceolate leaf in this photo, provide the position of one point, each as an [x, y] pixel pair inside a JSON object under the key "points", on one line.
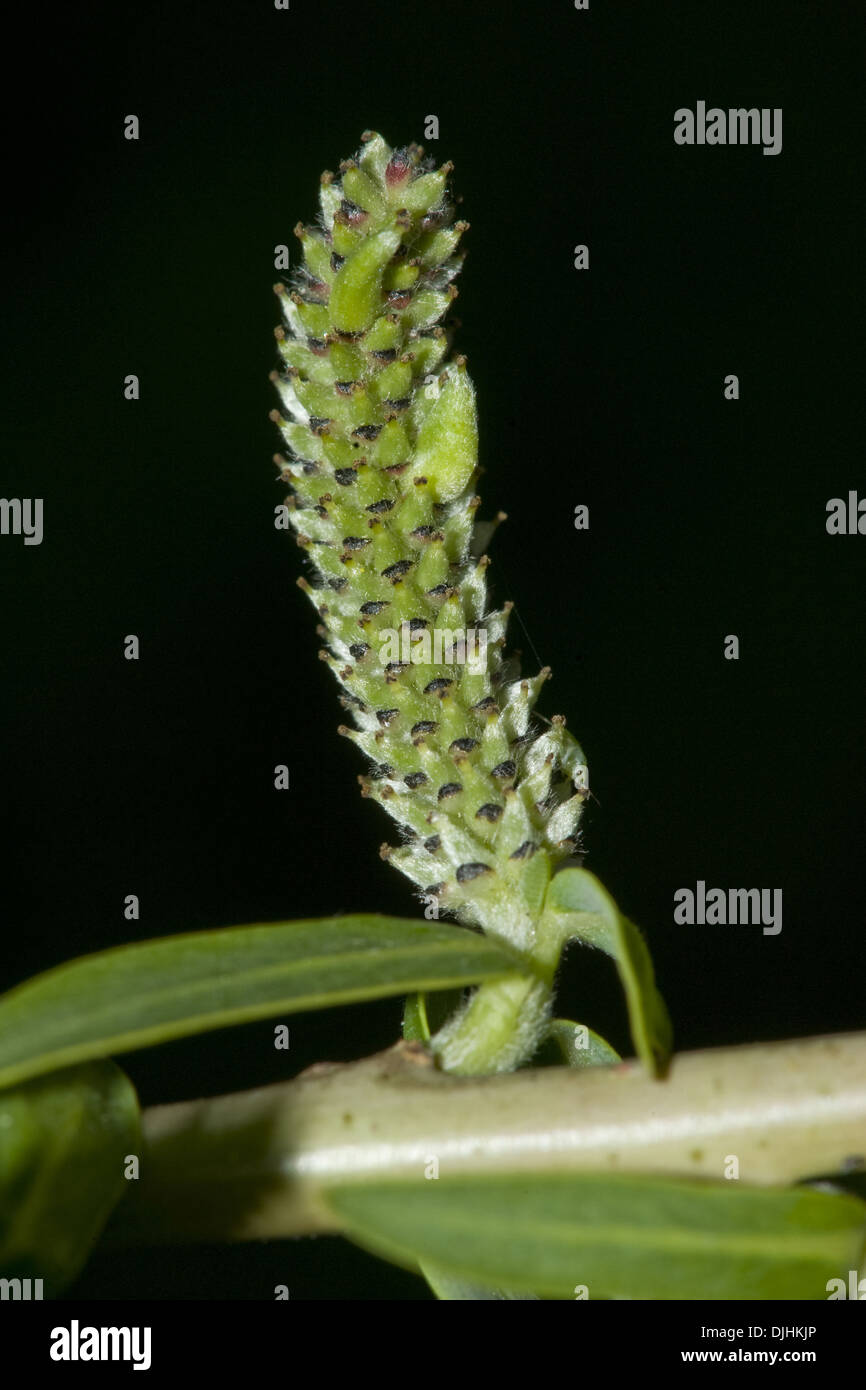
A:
{"points": [[452, 1288], [65, 1141], [621, 1236], [134, 996], [423, 1014], [579, 1046], [578, 907]]}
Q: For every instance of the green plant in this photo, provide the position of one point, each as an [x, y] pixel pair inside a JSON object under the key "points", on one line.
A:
{"points": [[486, 795], [494, 1177]]}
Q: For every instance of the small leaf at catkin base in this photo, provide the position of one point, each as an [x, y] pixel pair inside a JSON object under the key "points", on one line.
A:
{"points": [[578, 908]]}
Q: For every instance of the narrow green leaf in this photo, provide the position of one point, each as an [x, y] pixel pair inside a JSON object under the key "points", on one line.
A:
{"points": [[620, 1236], [134, 996], [578, 1045], [449, 1287], [416, 1027], [424, 1015], [64, 1143], [579, 908]]}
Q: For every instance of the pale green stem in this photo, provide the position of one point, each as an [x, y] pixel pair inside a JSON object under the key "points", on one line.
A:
{"points": [[259, 1164], [504, 1021], [498, 1029]]}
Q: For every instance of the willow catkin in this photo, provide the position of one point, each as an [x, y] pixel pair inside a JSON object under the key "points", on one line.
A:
{"points": [[381, 428]]}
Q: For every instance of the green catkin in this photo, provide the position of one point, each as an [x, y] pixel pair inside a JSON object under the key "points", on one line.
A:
{"points": [[381, 430]]}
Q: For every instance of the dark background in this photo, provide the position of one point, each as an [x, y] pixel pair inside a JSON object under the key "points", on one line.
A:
{"points": [[605, 388]]}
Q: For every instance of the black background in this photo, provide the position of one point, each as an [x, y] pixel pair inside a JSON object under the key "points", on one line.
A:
{"points": [[707, 517]]}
